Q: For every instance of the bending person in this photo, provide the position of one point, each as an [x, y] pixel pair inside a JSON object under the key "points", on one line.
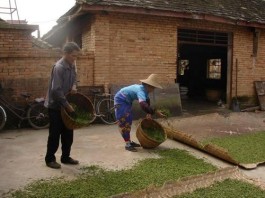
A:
{"points": [[123, 101]]}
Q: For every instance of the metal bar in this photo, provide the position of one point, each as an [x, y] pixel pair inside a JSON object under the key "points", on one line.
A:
{"points": [[17, 11]]}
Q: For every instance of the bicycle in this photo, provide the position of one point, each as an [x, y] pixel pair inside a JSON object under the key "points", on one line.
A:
{"points": [[104, 106], [2, 118], [34, 111]]}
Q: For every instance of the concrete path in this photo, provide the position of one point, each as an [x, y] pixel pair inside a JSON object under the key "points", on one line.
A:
{"points": [[22, 155]]}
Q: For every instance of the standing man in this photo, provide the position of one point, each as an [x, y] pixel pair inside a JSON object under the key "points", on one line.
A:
{"points": [[62, 81]]}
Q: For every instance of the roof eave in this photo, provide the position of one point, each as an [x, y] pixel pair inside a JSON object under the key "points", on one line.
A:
{"points": [[73, 11], [81, 8], [63, 20], [31, 28], [168, 13]]}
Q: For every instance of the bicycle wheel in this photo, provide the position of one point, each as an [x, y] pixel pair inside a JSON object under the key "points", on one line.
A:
{"points": [[106, 110], [2, 118], [38, 116]]}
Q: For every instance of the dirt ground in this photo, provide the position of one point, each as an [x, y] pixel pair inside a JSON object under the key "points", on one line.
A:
{"points": [[22, 151]]}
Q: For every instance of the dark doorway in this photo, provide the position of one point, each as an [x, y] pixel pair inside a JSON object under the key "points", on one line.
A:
{"points": [[202, 70]]}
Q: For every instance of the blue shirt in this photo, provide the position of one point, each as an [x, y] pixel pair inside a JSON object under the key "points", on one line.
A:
{"points": [[134, 92]]}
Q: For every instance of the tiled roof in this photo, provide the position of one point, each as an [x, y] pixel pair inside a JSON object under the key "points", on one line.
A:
{"points": [[17, 21], [6, 25], [36, 42], [249, 13], [243, 10], [39, 43]]}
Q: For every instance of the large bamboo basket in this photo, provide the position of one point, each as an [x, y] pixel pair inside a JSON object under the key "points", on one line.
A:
{"points": [[144, 139], [82, 102]]}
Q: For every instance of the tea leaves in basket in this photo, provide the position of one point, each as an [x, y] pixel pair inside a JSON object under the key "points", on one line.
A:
{"points": [[82, 117], [154, 134]]}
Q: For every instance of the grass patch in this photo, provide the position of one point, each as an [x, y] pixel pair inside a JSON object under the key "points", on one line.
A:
{"points": [[247, 148], [96, 182], [229, 189]]}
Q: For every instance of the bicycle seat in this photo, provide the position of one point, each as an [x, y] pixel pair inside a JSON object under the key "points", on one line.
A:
{"points": [[95, 91], [25, 95]]}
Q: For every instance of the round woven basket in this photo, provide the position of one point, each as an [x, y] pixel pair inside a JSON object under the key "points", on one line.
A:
{"points": [[81, 102], [145, 140], [213, 95]]}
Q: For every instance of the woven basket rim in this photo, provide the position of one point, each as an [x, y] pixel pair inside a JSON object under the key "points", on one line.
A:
{"points": [[70, 122], [163, 130]]}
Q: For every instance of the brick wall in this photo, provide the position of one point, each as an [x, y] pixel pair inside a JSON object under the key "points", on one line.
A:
{"points": [[85, 68], [22, 67], [14, 40], [121, 49], [88, 35], [140, 45], [25, 68], [249, 68], [126, 52], [129, 47]]}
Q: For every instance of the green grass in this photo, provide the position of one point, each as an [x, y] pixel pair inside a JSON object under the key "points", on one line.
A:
{"points": [[227, 189], [247, 148], [96, 182]]}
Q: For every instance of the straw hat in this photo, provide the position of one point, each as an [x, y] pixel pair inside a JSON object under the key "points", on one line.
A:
{"points": [[152, 80]]}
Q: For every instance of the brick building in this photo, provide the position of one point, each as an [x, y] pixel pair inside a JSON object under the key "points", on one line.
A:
{"points": [[26, 62], [198, 44]]}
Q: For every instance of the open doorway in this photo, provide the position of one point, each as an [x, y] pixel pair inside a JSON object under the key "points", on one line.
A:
{"points": [[202, 66]]}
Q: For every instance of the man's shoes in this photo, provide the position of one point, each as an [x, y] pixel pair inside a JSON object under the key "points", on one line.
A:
{"points": [[130, 148], [70, 160], [53, 164], [133, 144]]}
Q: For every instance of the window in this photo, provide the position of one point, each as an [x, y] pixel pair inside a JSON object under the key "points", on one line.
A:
{"points": [[214, 69], [183, 66], [198, 36]]}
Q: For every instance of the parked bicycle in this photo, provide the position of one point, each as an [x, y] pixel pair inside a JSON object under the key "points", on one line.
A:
{"points": [[34, 111], [2, 118], [104, 106]]}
